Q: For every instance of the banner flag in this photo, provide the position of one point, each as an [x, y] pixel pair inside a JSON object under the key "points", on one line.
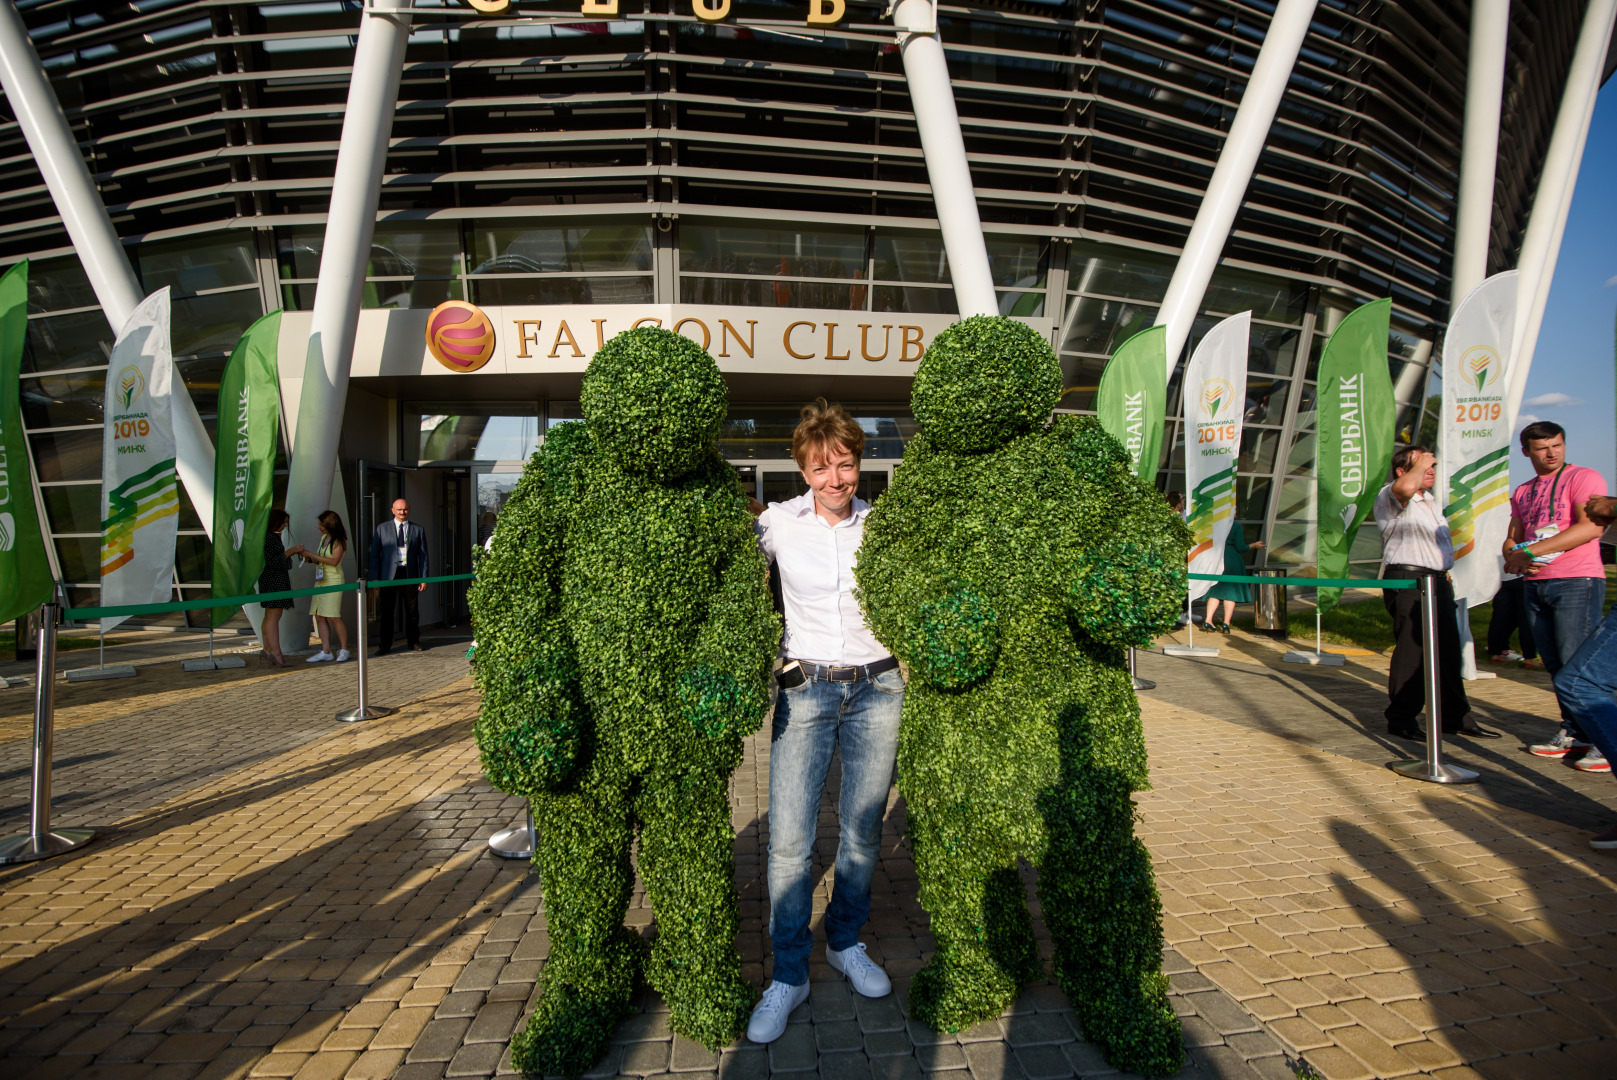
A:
{"points": [[1215, 405], [1475, 432], [244, 465], [1133, 399], [25, 573], [1356, 417], [140, 495]]}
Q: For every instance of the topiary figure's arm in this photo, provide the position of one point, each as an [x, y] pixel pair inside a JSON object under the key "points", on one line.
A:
{"points": [[532, 729], [725, 690], [945, 629], [1129, 582]]}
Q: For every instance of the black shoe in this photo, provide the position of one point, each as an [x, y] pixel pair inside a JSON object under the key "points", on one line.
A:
{"points": [[1413, 734], [417, 648], [1476, 733], [383, 652]]}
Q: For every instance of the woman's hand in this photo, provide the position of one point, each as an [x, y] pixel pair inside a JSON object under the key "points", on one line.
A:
{"points": [[1257, 544]]}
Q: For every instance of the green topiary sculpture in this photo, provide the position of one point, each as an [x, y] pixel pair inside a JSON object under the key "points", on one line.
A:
{"points": [[1009, 565], [625, 639]]}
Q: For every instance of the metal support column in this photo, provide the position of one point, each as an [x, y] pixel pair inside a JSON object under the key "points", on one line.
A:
{"points": [[1432, 767], [1542, 241], [517, 842], [932, 95], [84, 215], [373, 96], [1227, 186], [42, 841]]}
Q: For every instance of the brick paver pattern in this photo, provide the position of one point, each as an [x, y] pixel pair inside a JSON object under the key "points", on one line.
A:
{"points": [[327, 907]]}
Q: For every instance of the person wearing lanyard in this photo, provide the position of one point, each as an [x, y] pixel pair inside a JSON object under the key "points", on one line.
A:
{"points": [[398, 550], [1415, 543], [838, 688], [1555, 543]]}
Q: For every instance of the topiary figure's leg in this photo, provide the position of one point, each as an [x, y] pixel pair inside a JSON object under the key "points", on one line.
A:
{"points": [[1100, 902], [980, 921], [686, 851], [594, 960]]}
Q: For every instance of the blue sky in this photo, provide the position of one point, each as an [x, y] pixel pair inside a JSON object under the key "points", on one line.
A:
{"points": [[1572, 377]]}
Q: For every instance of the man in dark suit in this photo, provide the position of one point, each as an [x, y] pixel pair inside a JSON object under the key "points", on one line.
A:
{"points": [[398, 550]]}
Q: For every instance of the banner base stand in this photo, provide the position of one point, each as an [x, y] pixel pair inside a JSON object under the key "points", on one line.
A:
{"points": [[13, 680], [1189, 650], [1480, 675], [1143, 684], [21, 849], [1317, 659], [94, 674], [200, 664], [517, 842], [1442, 773], [230, 662]]}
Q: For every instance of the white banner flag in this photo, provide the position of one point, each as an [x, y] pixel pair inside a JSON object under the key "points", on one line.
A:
{"points": [[1476, 426], [1215, 404], [140, 498]]}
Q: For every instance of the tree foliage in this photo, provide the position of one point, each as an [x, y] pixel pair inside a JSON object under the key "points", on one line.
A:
{"points": [[1009, 565], [625, 638]]}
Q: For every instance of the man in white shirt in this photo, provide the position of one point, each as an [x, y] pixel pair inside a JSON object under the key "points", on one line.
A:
{"points": [[838, 686], [1415, 543]]}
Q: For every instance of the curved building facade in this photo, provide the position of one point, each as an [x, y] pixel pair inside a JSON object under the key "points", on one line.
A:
{"points": [[759, 184]]}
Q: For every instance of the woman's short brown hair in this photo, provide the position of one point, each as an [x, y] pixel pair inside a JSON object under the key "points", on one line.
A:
{"points": [[823, 430]]}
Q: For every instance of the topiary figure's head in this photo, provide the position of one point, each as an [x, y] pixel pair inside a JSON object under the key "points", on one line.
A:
{"points": [[983, 382], [654, 400]]}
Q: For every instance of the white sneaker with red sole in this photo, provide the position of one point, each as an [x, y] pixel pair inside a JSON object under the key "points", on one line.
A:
{"points": [[1560, 746], [1593, 761]]}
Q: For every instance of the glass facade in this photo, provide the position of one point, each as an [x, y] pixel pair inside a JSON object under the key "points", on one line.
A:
{"points": [[543, 159]]}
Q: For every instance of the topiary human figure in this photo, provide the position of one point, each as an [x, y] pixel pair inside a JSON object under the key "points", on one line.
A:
{"points": [[1009, 566], [625, 638]]}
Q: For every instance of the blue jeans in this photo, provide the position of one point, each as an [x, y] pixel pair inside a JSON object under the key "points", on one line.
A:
{"points": [[1563, 612], [1587, 687], [810, 722]]}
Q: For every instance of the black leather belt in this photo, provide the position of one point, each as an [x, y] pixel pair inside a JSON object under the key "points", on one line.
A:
{"points": [[847, 674], [1406, 570]]}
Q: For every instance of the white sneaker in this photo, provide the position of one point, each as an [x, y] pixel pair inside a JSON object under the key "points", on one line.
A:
{"points": [[867, 978], [768, 1021], [318, 657], [1593, 761], [342, 654], [1560, 746]]}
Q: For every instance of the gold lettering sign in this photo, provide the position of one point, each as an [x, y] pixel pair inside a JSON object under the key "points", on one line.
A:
{"points": [[726, 329], [500, 7], [904, 345], [864, 340], [826, 12], [820, 12], [524, 339], [831, 343], [564, 334], [707, 338], [786, 341], [706, 13]]}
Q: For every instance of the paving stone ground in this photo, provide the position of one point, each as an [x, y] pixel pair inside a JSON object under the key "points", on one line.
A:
{"points": [[305, 899]]}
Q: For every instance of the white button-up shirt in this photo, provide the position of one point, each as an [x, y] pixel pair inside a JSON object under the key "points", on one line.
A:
{"points": [[1415, 534], [815, 558]]}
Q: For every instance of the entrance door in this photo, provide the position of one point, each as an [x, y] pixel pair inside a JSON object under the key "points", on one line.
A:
{"points": [[493, 482], [457, 546], [777, 481]]}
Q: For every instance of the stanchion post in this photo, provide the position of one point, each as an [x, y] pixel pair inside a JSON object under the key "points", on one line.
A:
{"points": [[365, 711], [1139, 683], [41, 841], [517, 842], [1432, 768]]}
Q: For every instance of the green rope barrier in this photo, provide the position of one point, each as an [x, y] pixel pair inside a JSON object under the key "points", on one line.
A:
{"points": [[81, 614], [1309, 582]]}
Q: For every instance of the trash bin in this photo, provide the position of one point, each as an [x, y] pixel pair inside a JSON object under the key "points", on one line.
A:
{"points": [[1269, 604]]}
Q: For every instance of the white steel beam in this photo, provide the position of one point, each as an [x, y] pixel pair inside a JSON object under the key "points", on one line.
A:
{"points": [[1479, 145], [1553, 200], [932, 94], [373, 95], [102, 255], [1232, 174]]}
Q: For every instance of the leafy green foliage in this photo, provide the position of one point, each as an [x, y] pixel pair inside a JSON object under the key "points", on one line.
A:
{"points": [[1008, 565], [625, 638]]}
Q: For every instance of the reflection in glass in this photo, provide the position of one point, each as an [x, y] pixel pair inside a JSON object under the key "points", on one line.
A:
{"points": [[80, 558], [561, 290], [68, 341], [1303, 448], [922, 301], [1298, 498], [73, 508], [1257, 450], [63, 400], [1098, 325], [67, 455], [56, 284], [762, 292], [196, 264], [494, 490], [207, 324], [827, 251], [457, 431], [561, 248], [1111, 272], [193, 557]]}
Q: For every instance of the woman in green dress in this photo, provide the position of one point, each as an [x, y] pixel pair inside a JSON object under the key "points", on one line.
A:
{"points": [[1230, 593]]}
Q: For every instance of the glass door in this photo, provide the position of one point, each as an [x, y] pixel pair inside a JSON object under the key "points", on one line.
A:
{"points": [[493, 482]]}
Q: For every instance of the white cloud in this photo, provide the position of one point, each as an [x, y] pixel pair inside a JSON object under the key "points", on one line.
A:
{"points": [[1611, 281], [1526, 418], [1553, 401]]}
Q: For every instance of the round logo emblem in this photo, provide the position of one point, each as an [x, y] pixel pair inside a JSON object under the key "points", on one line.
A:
{"points": [[1480, 366], [1216, 393], [460, 336]]}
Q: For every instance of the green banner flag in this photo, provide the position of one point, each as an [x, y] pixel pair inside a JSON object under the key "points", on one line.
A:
{"points": [[25, 573], [1356, 416], [244, 466], [1133, 398]]}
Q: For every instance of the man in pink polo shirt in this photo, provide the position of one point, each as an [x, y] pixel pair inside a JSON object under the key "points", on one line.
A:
{"points": [[1556, 545]]}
